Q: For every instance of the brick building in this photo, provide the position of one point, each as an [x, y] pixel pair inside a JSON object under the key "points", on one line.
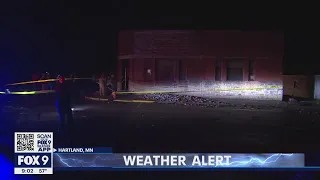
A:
{"points": [[236, 62]]}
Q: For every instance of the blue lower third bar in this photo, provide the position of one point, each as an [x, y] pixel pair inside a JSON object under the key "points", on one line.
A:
{"points": [[183, 169], [212, 161], [80, 150]]}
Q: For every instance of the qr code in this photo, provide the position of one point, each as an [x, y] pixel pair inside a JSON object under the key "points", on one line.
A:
{"points": [[25, 142]]}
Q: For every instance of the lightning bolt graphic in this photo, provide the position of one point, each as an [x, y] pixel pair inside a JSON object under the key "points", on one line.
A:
{"points": [[257, 161], [82, 163], [242, 161]]}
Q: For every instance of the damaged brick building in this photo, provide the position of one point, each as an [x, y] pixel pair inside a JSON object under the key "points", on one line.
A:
{"points": [[211, 63]]}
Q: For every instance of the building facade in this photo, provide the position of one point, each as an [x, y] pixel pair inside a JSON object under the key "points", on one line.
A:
{"points": [[210, 63]]}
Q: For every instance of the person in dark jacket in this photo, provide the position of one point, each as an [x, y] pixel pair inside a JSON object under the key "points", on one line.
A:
{"points": [[102, 81], [44, 84], [35, 77], [50, 86], [63, 103]]}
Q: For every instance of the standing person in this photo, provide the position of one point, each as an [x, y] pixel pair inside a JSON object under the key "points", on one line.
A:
{"points": [[102, 80], [108, 81], [43, 84], [50, 86], [35, 77], [114, 85], [109, 86], [113, 82], [63, 103]]}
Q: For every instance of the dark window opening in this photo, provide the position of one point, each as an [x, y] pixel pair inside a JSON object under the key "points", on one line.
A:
{"points": [[165, 69], [218, 71], [251, 71], [235, 70], [234, 74], [218, 74], [167, 74], [182, 72]]}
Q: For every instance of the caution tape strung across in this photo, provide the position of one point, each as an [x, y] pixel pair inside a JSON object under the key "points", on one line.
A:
{"points": [[39, 81], [151, 92], [134, 92], [133, 101], [212, 90], [120, 100], [96, 99], [45, 80], [29, 92]]}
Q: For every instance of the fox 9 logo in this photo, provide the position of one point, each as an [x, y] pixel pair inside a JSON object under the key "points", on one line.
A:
{"points": [[33, 160]]}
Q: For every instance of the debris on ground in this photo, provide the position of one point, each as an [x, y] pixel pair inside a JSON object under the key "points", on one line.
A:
{"points": [[188, 100]]}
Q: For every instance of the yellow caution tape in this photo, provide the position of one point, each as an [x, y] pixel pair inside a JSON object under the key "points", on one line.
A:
{"points": [[146, 92], [134, 101], [45, 80], [262, 88], [96, 99], [119, 100], [213, 90], [29, 92]]}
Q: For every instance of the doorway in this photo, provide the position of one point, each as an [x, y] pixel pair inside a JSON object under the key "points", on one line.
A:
{"points": [[124, 75]]}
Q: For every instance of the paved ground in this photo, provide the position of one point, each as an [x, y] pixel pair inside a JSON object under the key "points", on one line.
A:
{"points": [[163, 127], [134, 127]]}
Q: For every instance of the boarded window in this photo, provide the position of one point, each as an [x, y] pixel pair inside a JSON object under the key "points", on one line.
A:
{"points": [[165, 70], [235, 70]]}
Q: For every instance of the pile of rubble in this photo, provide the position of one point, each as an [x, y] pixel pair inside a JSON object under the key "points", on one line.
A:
{"points": [[197, 101]]}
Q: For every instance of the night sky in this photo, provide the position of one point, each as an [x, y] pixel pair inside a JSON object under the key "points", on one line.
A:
{"points": [[83, 37]]}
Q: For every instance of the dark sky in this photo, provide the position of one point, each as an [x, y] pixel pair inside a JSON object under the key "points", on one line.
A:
{"points": [[82, 37], [55, 38]]}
